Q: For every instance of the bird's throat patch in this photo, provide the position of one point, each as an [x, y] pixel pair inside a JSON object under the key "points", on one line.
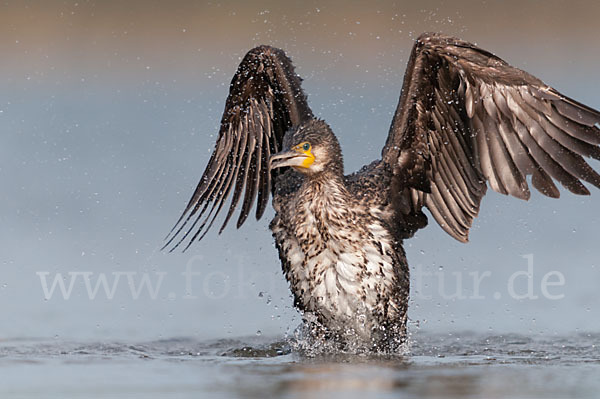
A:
{"points": [[310, 158]]}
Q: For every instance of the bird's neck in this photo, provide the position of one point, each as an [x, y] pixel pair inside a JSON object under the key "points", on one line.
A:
{"points": [[321, 193]]}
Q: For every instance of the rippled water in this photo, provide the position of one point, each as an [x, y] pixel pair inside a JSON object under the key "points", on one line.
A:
{"points": [[462, 366]]}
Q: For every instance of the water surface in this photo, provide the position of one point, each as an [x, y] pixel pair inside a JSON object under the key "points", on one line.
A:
{"points": [[463, 365]]}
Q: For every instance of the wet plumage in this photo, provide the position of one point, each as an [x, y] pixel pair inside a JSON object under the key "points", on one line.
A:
{"points": [[465, 119]]}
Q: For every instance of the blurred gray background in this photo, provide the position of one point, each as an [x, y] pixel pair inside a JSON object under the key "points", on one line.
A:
{"points": [[108, 114]]}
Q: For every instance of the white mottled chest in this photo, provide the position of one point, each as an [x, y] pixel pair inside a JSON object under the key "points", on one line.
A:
{"points": [[341, 263]]}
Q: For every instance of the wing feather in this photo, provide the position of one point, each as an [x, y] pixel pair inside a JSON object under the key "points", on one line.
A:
{"points": [[265, 100], [466, 118], [250, 192], [265, 175]]}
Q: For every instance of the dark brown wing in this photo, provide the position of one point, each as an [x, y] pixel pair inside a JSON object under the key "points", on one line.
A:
{"points": [[466, 117], [265, 100]]}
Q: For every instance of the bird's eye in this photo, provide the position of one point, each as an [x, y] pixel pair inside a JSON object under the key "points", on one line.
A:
{"points": [[305, 147]]}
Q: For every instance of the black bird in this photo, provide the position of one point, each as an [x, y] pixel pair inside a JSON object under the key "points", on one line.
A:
{"points": [[465, 118]]}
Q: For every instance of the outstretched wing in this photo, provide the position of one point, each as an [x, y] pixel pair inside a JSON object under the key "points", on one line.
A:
{"points": [[466, 118], [265, 100]]}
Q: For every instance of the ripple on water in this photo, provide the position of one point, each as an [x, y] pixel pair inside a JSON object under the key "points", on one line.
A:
{"points": [[508, 348]]}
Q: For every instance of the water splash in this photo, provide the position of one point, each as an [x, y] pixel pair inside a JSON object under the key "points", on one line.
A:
{"points": [[312, 339]]}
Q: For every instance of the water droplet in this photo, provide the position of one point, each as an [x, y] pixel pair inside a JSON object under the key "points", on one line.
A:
{"points": [[258, 333]]}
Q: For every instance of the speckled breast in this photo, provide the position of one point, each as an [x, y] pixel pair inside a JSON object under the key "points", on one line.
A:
{"points": [[341, 268]]}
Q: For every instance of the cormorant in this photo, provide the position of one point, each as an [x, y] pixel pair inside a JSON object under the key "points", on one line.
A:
{"points": [[465, 118]]}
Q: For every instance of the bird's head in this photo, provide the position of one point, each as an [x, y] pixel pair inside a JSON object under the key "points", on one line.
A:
{"points": [[311, 149]]}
